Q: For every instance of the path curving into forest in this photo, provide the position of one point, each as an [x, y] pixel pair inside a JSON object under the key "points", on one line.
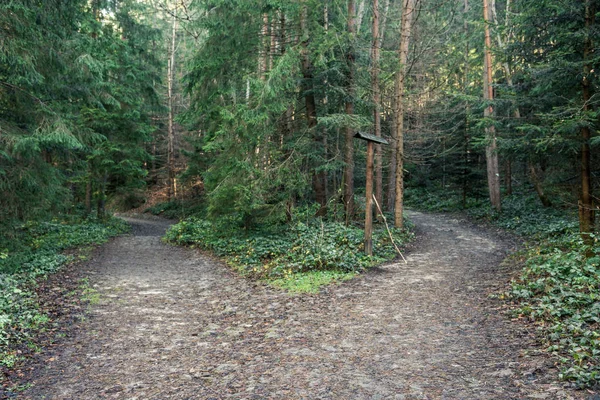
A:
{"points": [[172, 323]]}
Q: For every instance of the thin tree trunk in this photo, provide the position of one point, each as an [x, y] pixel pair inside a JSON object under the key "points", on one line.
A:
{"points": [[88, 194], [508, 177], [377, 104], [102, 197], [349, 145], [359, 15], [408, 14], [171, 124], [391, 195], [491, 151], [369, 201], [318, 178], [537, 184], [386, 8], [467, 136], [586, 203]]}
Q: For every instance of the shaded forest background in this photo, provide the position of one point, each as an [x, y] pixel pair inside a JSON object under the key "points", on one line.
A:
{"points": [[253, 106]]}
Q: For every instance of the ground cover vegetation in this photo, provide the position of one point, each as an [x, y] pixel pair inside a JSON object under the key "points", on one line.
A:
{"points": [[28, 254], [250, 110], [300, 256]]}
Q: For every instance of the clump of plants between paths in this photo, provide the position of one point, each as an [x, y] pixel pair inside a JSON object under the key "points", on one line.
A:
{"points": [[300, 257]]}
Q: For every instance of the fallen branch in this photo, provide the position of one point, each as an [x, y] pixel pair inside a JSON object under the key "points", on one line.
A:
{"points": [[388, 229]]}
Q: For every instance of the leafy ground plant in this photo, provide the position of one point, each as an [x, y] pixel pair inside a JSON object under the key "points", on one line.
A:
{"points": [[299, 258], [30, 252]]}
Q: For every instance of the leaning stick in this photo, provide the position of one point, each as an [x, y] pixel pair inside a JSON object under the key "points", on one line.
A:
{"points": [[388, 230]]}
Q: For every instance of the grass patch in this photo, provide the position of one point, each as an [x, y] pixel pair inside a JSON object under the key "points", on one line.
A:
{"points": [[30, 252], [311, 281]]}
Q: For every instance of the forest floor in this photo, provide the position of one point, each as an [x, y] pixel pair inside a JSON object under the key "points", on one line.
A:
{"points": [[172, 323]]}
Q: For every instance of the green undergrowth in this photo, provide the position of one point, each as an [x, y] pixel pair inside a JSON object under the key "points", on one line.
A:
{"points": [[559, 286], [28, 253], [300, 257], [178, 209]]}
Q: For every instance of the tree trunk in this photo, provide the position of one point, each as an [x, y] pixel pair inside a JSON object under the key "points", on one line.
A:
{"points": [[491, 151], [508, 177], [349, 108], [359, 15], [586, 203], [408, 14], [318, 178], [377, 104], [369, 202], [171, 126], [537, 184], [467, 136], [102, 197], [88, 194], [391, 194]]}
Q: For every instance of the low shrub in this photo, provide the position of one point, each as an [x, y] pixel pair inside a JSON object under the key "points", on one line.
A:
{"points": [[559, 289], [303, 247]]}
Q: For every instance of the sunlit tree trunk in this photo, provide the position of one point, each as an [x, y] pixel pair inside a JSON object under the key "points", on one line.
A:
{"points": [[491, 151], [349, 145], [377, 103], [408, 15], [467, 136], [171, 105]]}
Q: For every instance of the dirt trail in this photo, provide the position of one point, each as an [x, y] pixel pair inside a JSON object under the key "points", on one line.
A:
{"points": [[173, 324]]}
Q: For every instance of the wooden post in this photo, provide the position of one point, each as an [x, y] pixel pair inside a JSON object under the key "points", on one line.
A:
{"points": [[371, 141], [369, 202]]}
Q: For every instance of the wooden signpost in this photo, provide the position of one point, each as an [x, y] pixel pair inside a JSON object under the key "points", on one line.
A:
{"points": [[371, 139]]}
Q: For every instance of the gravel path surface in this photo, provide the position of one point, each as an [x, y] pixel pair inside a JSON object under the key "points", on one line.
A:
{"points": [[174, 324]]}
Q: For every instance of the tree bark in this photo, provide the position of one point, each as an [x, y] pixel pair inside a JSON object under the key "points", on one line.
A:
{"points": [[508, 177], [537, 184], [359, 15], [171, 124], [467, 136], [408, 13], [377, 104], [349, 108], [491, 151], [319, 178], [369, 202], [586, 202]]}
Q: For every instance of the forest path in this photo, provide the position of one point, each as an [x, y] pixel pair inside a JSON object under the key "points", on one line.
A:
{"points": [[174, 324]]}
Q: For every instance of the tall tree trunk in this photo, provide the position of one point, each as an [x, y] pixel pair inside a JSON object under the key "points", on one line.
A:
{"points": [[377, 104], [586, 202], [491, 151], [171, 101], [349, 145], [467, 136], [318, 177], [391, 193], [408, 14]]}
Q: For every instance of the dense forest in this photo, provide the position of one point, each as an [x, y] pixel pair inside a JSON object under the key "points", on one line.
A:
{"points": [[243, 116]]}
